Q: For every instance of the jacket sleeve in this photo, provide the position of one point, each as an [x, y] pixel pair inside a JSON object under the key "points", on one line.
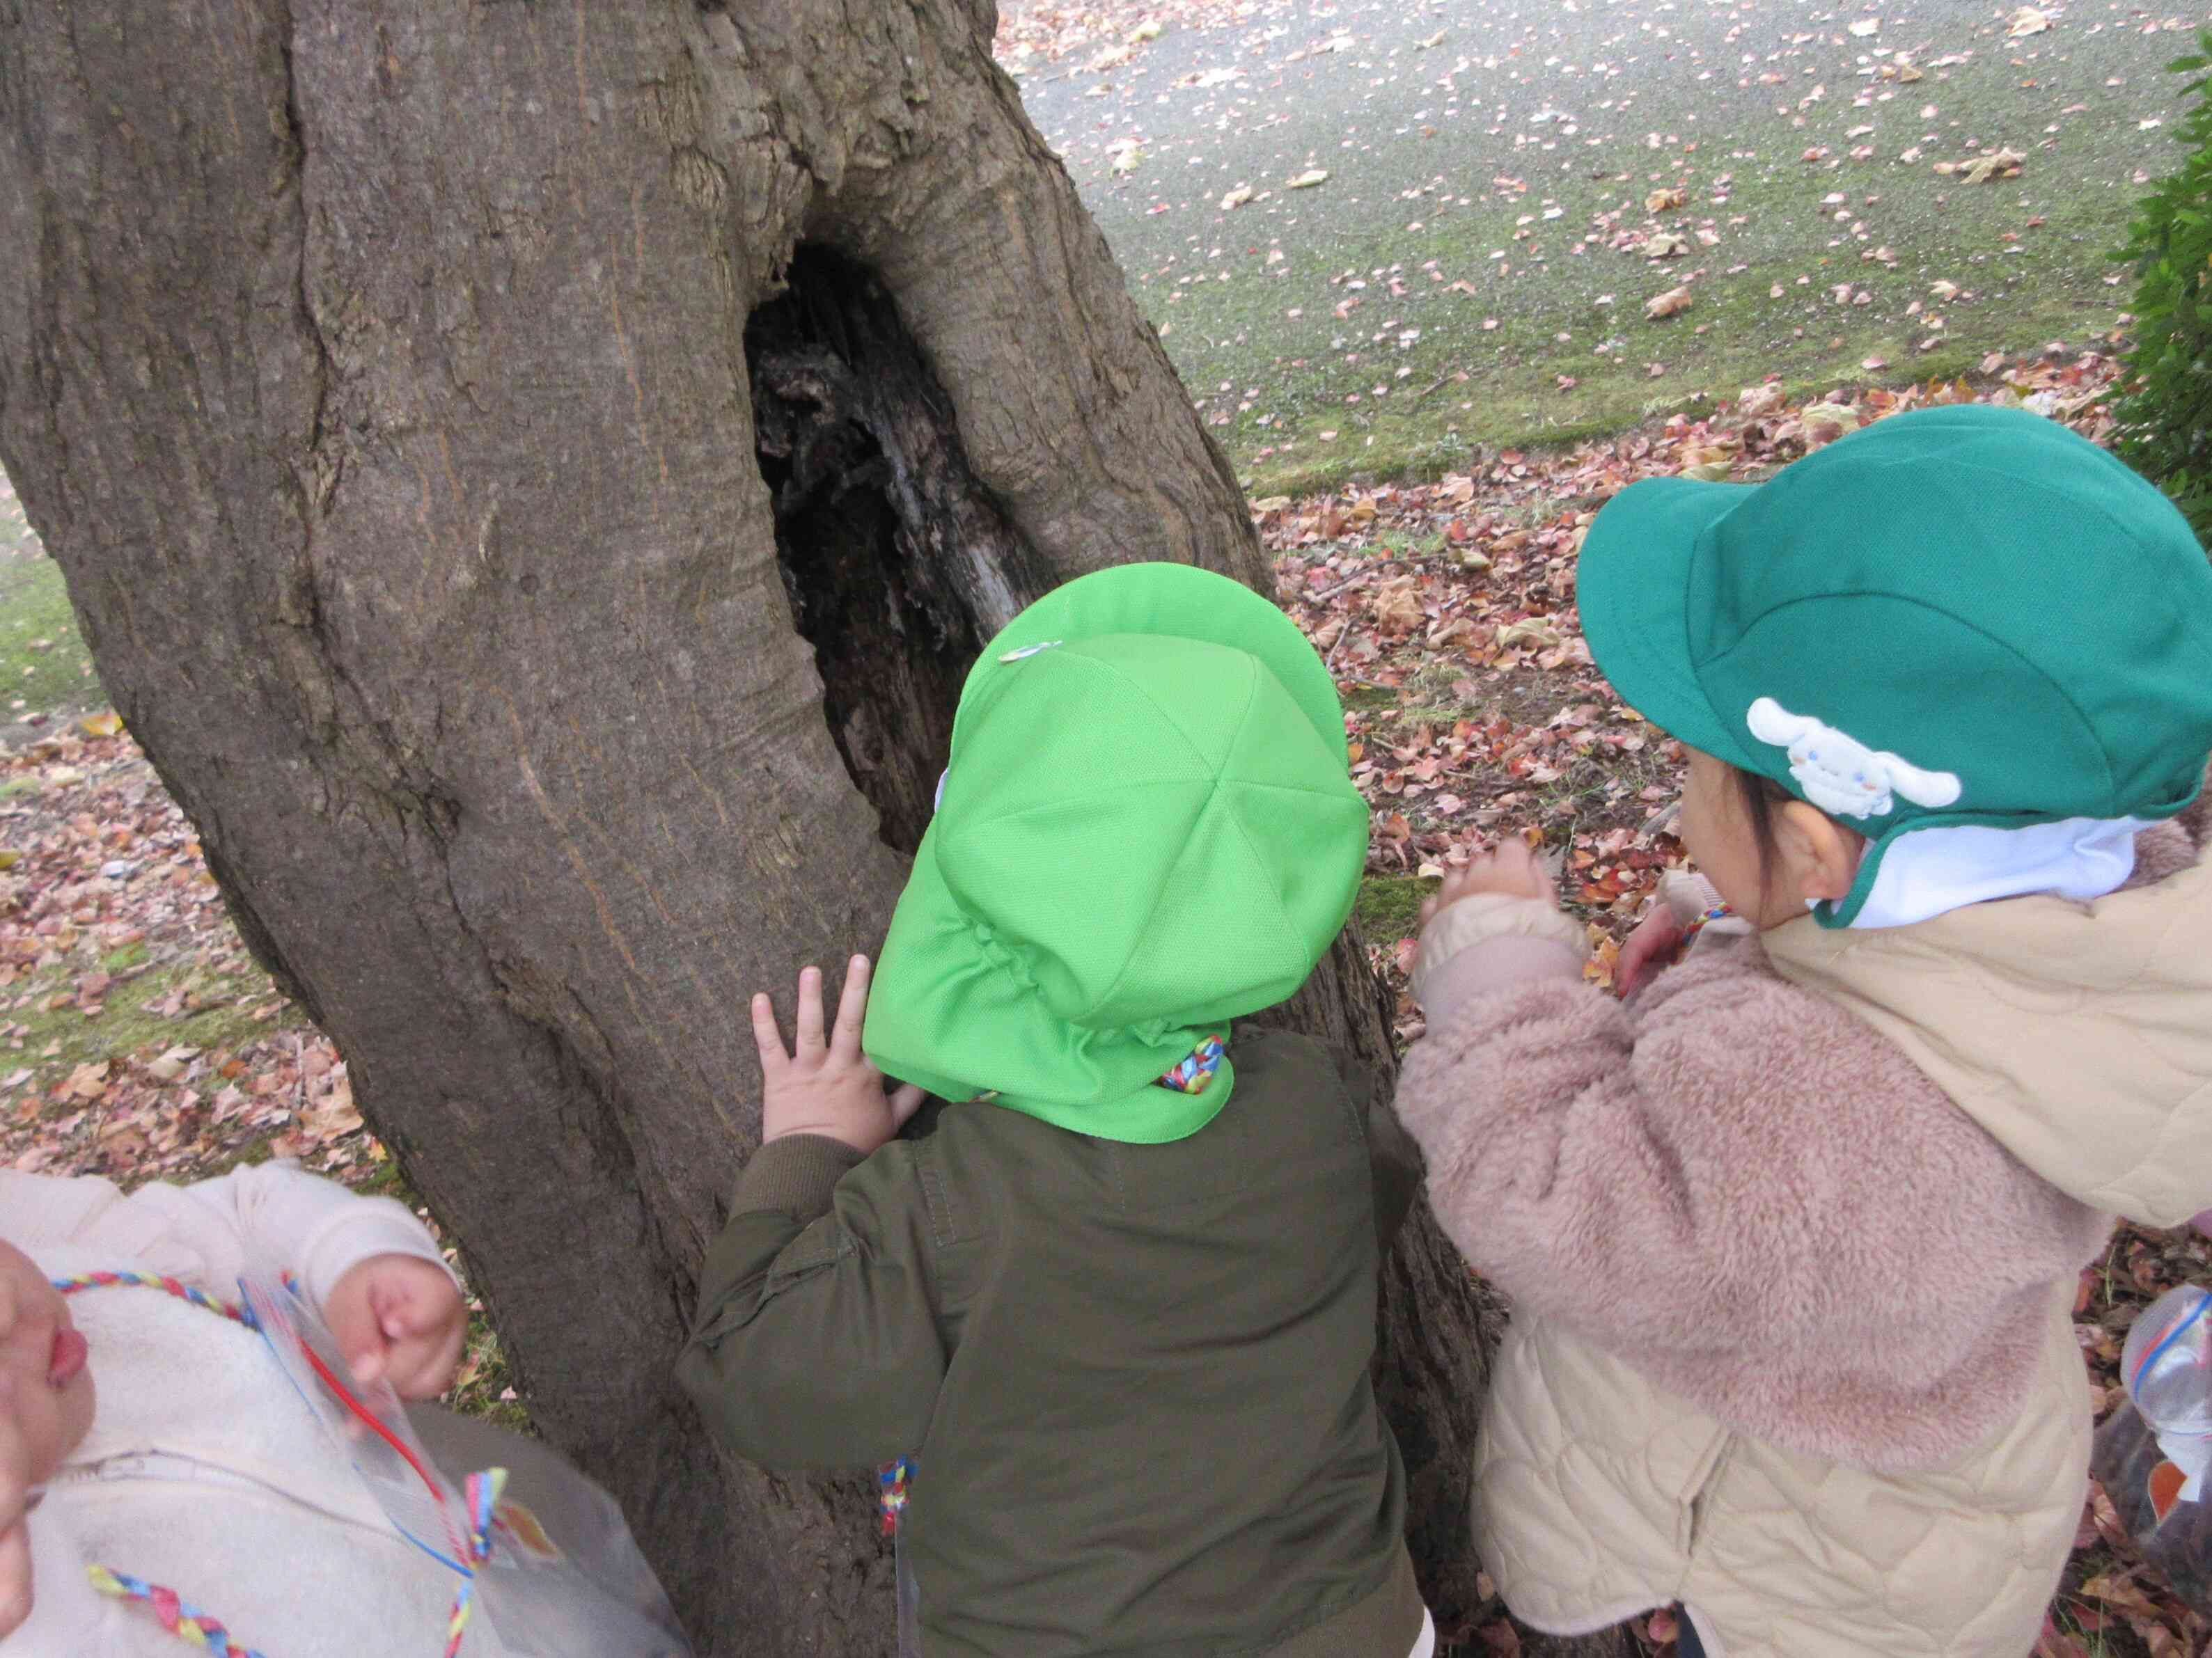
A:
{"points": [[274, 1215], [816, 1342], [1635, 1169]]}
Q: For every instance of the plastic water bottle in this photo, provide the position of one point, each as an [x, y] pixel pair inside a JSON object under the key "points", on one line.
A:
{"points": [[2167, 1367]]}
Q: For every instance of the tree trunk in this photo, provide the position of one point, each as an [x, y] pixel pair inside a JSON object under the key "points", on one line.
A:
{"points": [[532, 476]]}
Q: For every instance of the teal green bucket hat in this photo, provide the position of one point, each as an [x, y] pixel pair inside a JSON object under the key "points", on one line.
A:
{"points": [[1958, 616], [1147, 829]]}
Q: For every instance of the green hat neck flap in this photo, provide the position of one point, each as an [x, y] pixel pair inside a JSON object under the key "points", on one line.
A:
{"points": [[1146, 830], [1962, 616]]}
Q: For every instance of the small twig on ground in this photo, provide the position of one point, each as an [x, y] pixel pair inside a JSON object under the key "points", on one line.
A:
{"points": [[1328, 593]]}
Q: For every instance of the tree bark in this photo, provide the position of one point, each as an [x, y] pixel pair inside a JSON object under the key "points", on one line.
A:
{"points": [[530, 476]]}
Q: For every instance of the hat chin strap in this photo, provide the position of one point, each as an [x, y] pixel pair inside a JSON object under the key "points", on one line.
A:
{"points": [[1923, 873]]}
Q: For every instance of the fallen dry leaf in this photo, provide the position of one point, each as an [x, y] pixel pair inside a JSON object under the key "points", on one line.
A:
{"points": [[1396, 604], [1308, 179], [1985, 169], [1667, 304]]}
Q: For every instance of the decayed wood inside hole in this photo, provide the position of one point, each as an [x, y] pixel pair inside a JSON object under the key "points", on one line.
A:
{"points": [[898, 564]]}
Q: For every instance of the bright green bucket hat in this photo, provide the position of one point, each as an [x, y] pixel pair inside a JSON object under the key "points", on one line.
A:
{"points": [[1147, 829], [1961, 616]]}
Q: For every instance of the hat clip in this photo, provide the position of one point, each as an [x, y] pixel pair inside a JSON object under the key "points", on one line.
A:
{"points": [[1030, 650], [1850, 780]]}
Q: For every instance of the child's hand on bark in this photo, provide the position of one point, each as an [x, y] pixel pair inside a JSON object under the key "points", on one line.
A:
{"points": [[827, 1087], [1511, 868]]}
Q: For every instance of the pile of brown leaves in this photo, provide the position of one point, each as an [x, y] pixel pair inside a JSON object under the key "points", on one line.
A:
{"points": [[142, 1041]]}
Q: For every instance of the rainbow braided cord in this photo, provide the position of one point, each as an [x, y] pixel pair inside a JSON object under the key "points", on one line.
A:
{"points": [[178, 1616], [230, 1309], [890, 1493], [1719, 912], [1195, 1074], [482, 1491]]}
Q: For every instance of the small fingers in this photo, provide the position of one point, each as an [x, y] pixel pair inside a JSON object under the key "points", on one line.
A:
{"points": [[767, 1036], [809, 1044], [423, 1301], [367, 1363], [852, 1011]]}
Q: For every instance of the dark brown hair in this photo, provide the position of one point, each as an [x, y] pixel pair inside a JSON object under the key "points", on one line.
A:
{"points": [[1761, 796]]}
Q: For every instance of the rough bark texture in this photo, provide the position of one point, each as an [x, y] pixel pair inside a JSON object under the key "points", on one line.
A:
{"points": [[384, 375]]}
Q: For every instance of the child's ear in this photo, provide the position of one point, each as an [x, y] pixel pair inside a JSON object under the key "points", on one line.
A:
{"points": [[1820, 857]]}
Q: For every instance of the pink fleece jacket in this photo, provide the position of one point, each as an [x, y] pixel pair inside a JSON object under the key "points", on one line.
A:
{"points": [[1748, 1192]]}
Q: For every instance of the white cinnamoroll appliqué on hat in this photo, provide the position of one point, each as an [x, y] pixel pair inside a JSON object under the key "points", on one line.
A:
{"points": [[1842, 776]]}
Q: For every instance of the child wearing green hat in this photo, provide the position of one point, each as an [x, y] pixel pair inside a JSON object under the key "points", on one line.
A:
{"points": [[1793, 1232], [1120, 1299]]}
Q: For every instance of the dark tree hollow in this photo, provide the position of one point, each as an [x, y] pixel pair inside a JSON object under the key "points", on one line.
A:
{"points": [[892, 554]]}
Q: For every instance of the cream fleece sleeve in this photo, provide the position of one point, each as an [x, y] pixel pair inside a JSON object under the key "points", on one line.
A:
{"points": [[1489, 942], [272, 1214]]}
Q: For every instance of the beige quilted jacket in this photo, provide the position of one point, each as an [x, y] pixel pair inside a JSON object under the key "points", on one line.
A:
{"points": [[1792, 1239]]}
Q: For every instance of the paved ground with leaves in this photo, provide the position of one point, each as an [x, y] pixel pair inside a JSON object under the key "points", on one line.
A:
{"points": [[137, 1040]]}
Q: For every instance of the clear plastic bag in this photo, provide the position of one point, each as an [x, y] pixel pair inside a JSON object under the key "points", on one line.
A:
{"points": [[562, 1575], [2152, 1454]]}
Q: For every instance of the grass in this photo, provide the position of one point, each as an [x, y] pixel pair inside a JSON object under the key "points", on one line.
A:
{"points": [[1736, 333], [51, 1029], [1384, 324], [1389, 907], [44, 667]]}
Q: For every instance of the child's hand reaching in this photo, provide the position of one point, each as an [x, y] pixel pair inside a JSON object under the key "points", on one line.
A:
{"points": [[1511, 868], [826, 1088], [1650, 948], [398, 1318]]}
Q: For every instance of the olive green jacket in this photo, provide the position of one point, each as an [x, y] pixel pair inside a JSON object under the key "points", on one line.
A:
{"points": [[1135, 1376]]}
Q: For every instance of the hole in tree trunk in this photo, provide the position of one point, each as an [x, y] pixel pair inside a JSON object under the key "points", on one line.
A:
{"points": [[899, 565]]}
